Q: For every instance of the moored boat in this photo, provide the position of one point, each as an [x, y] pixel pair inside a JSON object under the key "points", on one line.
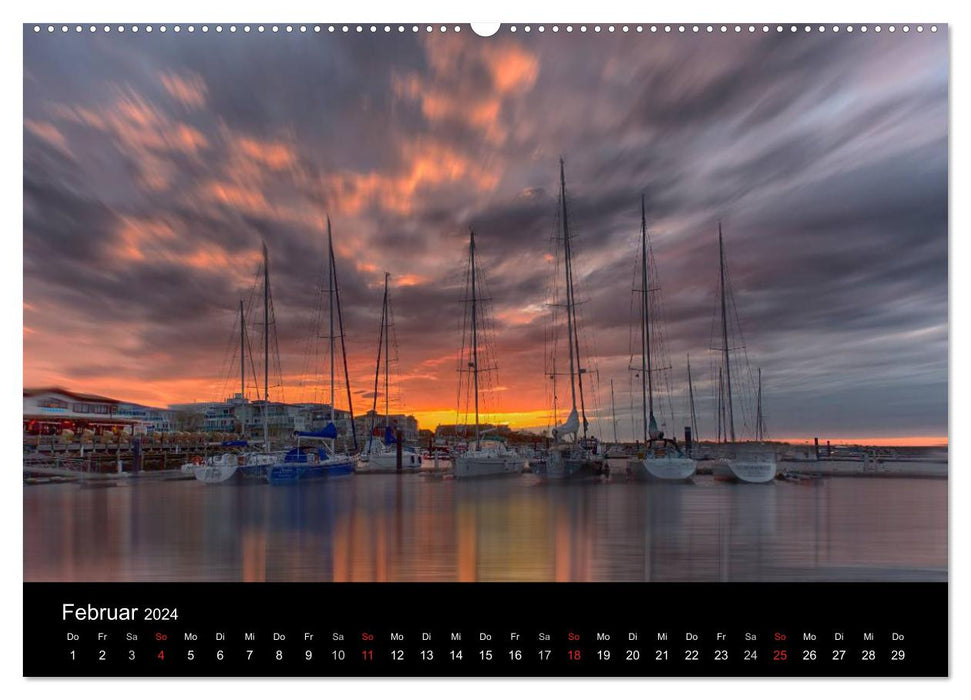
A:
{"points": [[662, 459], [304, 465], [380, 456], [571, 456], [488, 461], [243, 464], [662, 463], [322, 461], [568, 461], [756, 469], [742, 465], [384, 460], [234, 467], [478, 460]]}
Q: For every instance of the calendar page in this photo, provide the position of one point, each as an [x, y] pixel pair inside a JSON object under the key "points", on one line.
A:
{"points": [[516, 350]]}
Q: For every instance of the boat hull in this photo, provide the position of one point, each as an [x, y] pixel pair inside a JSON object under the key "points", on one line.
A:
{"points": [[281, 474], [479, 467], [569, 469], [230, 473], [387, 463], [744, 471], [227, 473], [662, 469]]}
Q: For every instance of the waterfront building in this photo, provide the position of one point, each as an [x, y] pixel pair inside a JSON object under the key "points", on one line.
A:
{"points": [[52, 411]]}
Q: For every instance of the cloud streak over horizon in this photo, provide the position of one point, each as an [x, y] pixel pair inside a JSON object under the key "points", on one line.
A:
{"points": [[154, 166]]}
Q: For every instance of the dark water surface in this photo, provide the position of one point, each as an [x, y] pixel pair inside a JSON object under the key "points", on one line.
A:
{"points": [[409, 528]]}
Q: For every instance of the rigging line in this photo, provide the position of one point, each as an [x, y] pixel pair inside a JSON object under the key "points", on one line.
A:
{"points": [[461, 362], [377, 364], [276, 351], [340, 323], [309, 377]]}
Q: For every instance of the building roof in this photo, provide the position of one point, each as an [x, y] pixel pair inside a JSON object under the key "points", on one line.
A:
{"points": [[71, 394]]}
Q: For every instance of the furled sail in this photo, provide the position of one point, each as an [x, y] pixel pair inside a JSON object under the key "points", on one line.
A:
{"points": [[652, 430], [329, 432], [571, 425]]}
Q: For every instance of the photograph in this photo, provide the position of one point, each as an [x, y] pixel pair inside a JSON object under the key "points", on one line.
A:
{"points": [[404, 304]]}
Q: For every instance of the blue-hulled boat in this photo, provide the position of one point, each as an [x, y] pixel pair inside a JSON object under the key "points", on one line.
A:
{"points": [[305, 464], [322, 461]]}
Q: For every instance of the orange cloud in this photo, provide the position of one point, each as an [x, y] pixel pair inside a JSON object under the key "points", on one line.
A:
{"points": [[47, 132], [144, 133], [408, 280], [190, 89], [425, 164], [156, 239], [249, 200], [448, 94], [276, 155]]}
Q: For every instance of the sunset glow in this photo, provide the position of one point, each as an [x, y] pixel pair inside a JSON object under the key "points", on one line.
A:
{"points": [[154, 172]]}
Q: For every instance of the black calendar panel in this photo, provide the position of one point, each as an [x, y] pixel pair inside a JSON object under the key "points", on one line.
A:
{"points": [[291, 629]]}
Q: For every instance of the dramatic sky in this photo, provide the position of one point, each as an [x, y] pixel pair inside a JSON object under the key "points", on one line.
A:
{"points": [[154, 166]]}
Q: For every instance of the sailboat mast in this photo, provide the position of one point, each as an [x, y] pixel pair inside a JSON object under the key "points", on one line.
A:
{"points": [[721, 408], [758, 411], [647, 386], [340, 326], [691, 404], [242, 351], [573, 337], [569, 295], [266, 349], [730, 427], [387, 355], [377, 365], [475, 335], [613, 410], [330, 304]]}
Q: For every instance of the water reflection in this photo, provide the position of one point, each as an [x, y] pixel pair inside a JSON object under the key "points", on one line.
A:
{"points": [[390, 528]]}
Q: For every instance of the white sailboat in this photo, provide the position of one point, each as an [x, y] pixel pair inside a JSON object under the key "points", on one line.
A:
{"points": [[661, 459], [570, 456], [751, 466], [245, 465], [480, 460], [381, 456]]}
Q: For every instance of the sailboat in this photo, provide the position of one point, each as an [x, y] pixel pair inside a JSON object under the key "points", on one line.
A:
{"points": [[322, 461], [573, 458], [662, 459], [479, 460], [381, 456], [747, 467], [245, 465]]}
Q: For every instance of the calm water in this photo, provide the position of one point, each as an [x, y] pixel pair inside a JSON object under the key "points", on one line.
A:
{"points": [[408, 528]]}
